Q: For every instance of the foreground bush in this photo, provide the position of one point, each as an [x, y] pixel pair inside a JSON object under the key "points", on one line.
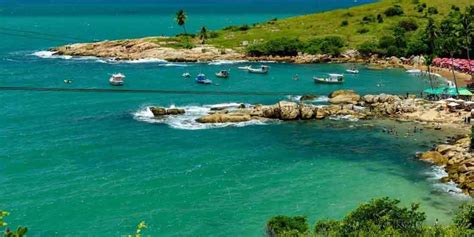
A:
{"points": [[379, 217]]}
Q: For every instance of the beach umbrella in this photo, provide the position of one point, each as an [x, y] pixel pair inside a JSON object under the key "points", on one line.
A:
{"points": [[450, 100], [453, 104], [440, 102]]}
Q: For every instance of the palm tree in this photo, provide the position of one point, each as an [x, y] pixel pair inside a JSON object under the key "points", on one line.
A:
{"points": [[450, 33], [429, 61], [203, 34], [431, 32], [181, 20], [467, 31]]}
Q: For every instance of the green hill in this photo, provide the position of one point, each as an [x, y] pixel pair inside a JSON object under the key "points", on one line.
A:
{"points": [[356, 25]]}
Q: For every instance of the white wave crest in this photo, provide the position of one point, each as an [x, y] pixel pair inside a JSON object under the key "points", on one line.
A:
{"points": [[174, 65], [222, 62], [187, 121], [344, 117], [144, 60], [318, 99], [435, 174], [50, 54]]}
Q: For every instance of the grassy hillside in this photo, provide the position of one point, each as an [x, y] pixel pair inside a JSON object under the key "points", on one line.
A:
{"points": [[330, 23]]}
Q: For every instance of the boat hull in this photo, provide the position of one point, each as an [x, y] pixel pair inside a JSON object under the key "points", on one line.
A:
{"points": [[323, 81]]}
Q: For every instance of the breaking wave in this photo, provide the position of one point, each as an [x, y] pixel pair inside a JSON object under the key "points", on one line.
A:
{"points": [[450, 187], [187, 121], [222, 62]]}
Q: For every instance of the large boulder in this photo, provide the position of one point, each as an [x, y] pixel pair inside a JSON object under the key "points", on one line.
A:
{"points": [[321, 113], [157, 111], [224, 118], [271, 111], [175, 111], [288, 110], [434, 157], [344, 97], [306, 111]]}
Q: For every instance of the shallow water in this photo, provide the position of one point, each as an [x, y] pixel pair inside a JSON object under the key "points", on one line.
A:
{"points": [[96, 164]]}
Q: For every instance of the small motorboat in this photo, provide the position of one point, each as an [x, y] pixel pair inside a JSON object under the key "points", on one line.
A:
{"points": [[262, 70], [332, 79], [201, 79], [352, 71], [67, 81], [117, 79], [414, 71], [186, 75], [222, 74], [246, 68]]}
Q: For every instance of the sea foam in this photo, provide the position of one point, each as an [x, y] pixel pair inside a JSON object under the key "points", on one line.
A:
{"points": [[187, 121]]}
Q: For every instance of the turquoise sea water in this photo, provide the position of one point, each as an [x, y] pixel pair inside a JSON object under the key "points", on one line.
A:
{"points": [[76, 164]]}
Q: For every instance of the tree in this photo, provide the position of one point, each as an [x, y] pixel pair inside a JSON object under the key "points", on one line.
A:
{"points": [[467, 32], [287, 226], [464, 217], [450, 39], [203, 35], [181, 20], [431, 35], [20, 231], [429, 62]]}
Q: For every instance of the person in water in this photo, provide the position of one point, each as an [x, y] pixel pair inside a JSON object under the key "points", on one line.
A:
{"points": [[296, 77]]}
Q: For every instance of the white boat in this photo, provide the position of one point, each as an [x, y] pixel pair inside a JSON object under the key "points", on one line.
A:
{"points": [[186, 75], [332, 79], [414, 71], [246, 68], [117, 79], [353, 71], [201, 79], [262, 70], [222, 74]]}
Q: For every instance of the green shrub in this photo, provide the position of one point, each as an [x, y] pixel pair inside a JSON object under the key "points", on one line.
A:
{"points": [[237, 28], [396, 10], [382, 215], [331, 45], [280, 47], [344, 23], [363, 30], [287, 226], [368, 19], [327, 228], [417, 46], [379, 18], [432, 10], [464, 217], [386, 41], [408, 25], [367, 48]]}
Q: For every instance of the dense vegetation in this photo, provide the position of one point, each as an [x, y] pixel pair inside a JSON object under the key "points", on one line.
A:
{"points": [[19, 232], [452, 36], [404, 20], [331, 45], [379, 217]]}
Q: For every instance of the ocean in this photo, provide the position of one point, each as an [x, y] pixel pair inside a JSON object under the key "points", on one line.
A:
{"points": [[96, 164]]}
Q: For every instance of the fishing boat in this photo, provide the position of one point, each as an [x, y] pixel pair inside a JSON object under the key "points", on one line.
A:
{"points": [[262, 70], [201, 79], [352, 71], [222, 74], [186, 75], [414, 71], [117, 79], [332, 79], [246, 68]]}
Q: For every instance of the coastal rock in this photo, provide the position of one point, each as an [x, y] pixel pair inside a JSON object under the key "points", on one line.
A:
{"points": [[175, 111], [434, 157], [306, 111], [344, 97], [157, 111], [224, 118], [308, 97], [288, 110]]}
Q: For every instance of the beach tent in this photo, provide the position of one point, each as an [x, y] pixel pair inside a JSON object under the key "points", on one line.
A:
{"points": [[462, 92]]}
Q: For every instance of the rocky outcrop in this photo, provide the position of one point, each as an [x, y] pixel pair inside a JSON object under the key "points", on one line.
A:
{"points": [[158, 111], [344, 97], [224, 118], [288, 110], [458, 162]]}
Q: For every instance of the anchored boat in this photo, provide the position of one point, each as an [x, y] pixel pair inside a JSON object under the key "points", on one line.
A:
{"points": [[186, 75], [262, 70], [201, 79], [222, 74], [117, 79], [332, 79], [352, 71]]}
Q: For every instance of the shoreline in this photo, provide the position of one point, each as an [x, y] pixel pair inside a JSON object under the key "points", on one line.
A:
{"points": [[454, 158]]}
